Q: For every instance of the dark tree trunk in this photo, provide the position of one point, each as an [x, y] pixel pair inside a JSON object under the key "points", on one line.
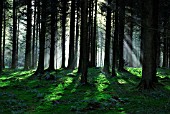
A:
{"points": [[149, 55], [28, 37], [13, 66], [77, 34], [1, 18], [64, 3], [131, 35], [121, 34], [107, 40], [115, 42], [37, 31], [40, 68], [53, 30], [4, 34], [165, 58], [84, 41], [72, 30], [93, 41], [33, 39]]}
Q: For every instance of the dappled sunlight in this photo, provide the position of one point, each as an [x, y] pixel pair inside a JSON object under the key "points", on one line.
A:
{"points": [[102, 82], [4, 84], [135, 71], [121, 81], [56, 93]]}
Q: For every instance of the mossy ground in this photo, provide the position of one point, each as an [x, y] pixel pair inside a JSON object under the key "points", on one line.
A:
{"points": [[21, 92]]}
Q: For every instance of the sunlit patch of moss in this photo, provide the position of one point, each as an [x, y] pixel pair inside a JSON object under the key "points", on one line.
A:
{"points": [[102, 82], [3, 84], [102, 96], [167, 87], [121, 81], [135, 71], [59, 90], [68, 81], [75, 71]]}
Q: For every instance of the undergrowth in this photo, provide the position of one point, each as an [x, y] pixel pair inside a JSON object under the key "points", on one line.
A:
{"points": [[60, 92]]}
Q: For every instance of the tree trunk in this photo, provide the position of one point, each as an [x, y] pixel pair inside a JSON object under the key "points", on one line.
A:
{"points": [[84, 41], [149, 55], [93, 42], [53, 30], [72, 30], [33, 39], [64, 3], [77, 34], [1, 18], [121, 34], [13, 66], [28, 37], [107, 40], [115, 42], [40, 68]]}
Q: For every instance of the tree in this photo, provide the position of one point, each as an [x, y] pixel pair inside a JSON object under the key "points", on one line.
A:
{"points": [[115, 42], [121, 33], [40, 68], [107, 41], [83, 42], [93, 41], [1, 18], [53, 30], [64, 4], [14, 47], [72, 30], [28, 36], [34, 35], [149, 54]]}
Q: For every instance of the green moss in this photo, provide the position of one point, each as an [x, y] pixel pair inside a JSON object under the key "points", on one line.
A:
{"points": [[22, 93]]}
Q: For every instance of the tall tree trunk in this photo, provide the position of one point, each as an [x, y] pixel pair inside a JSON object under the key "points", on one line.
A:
{"points": [[4, 34], [121, 34], [165, 44], [107, 40], [131, 35], [53, 30], [1, 18], [115, 42], [149, 55], [37, 31], [77, 34], [28, 37], [34, 35], [13, 66], [64, 3], [84, 41], [40, 68], [72, 30], [93, 41]]}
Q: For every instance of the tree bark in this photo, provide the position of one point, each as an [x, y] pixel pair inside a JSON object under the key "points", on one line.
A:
{"points": [[121, 34], [13, 66], [28, 37], [72, 30], [107, 40], [64, 3], [1, 18], [149, 55], [53, 30], [4, 34], [40, 68], [115, 42], [84, 41]]}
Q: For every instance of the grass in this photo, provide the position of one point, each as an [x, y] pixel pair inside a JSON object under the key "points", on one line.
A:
{"points": [[21, 92]]}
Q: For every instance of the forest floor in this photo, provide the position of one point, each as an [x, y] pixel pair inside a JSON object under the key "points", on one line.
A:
{"points": [[60, 92]]}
